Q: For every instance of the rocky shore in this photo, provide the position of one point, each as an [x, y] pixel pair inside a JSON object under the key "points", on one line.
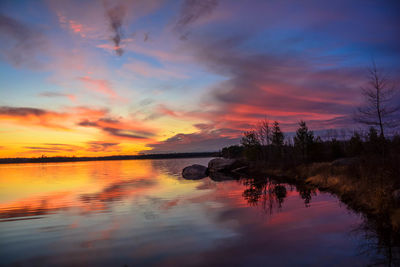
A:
{"points": [[218, 169]]}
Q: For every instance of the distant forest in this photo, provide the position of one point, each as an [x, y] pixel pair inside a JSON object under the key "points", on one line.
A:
{"points": [[44, 159]]}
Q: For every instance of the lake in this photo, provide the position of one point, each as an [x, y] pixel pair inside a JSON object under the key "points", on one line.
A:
{"points": [[143, 213]]}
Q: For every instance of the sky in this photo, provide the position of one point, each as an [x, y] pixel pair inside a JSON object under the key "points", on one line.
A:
{"points": [[95, 78]]}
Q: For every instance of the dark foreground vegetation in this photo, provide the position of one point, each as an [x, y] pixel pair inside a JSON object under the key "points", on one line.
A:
{"points": [[362, 170], [126, 157], [381, 239]]}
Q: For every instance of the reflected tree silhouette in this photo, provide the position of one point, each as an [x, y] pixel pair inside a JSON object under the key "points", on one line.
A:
{"points": [[266, 192], [306, 192], [382, 239], [271, 193]]}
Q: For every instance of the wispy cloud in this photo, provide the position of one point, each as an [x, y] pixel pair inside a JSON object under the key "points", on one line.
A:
{"points": [[22, 44], [53, 148], [32, 116], [56, 94], [115, 15], [117, 128], [195, 142], [100, 146], [191, 11], [99, 85], [28, 116]]}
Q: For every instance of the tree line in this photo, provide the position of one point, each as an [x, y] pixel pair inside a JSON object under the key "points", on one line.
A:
{"points": [[380, 112], [267, 143]]}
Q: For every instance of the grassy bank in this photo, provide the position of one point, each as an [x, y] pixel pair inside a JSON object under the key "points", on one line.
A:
{"points": [[363, 170], [365, 184]]}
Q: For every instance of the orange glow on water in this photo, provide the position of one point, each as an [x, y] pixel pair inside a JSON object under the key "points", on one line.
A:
{"points": [[43, 188]]}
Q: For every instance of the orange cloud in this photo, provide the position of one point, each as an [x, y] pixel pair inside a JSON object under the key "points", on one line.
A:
{"points": [[110, 129], [33, 116], [125, 129]]}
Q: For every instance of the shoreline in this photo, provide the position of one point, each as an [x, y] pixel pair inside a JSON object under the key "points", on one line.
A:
{"points": [[107, 158], [373, 201]]}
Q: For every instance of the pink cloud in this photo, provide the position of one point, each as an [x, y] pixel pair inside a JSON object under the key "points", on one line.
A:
{"points": [[99, 85]]}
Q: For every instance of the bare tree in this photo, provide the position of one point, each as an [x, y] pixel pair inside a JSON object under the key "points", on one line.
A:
{"points": [[378, 110], [264, 132]]}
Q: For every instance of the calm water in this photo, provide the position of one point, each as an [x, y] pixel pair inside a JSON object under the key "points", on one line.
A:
{"points": [[142, 212]]}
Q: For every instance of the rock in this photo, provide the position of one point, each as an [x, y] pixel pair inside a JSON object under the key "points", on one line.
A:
{"points": [[222, 165], [345, 162], [396, 195], [220, 176], [194, 172], [240, 170]]}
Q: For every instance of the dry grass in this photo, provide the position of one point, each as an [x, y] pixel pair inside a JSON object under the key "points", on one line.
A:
{"points": [[357, 186]]}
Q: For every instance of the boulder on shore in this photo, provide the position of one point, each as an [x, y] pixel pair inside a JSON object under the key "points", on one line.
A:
{"points": [[345, 161], [194, 172], [225, 165], [396, 195], [222, 176]]}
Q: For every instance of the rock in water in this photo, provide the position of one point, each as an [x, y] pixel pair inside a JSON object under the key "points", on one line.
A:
{"points": [[222, 165], [396, 195], [221, 176], [194, 172], [345, 162]]}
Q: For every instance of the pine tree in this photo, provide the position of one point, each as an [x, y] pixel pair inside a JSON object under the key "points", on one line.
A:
{"points": [[277, 135], [303, 139]]}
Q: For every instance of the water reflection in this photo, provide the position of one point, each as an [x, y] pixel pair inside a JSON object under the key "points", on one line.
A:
{"points": [[144, 213], [382, 240], [271, 193]]}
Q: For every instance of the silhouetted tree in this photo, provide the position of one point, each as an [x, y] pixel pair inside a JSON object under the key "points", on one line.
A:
{"points": [[336, 149], [251, 145], [264, 132], [378, 110], [303, 139], [355, 145], [250, 139], [234, 151], [372, 135], [316, 149], [264, 137], [277, 136]]}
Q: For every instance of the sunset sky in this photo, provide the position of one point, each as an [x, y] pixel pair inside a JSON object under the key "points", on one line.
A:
{"points": [[93, 78]]}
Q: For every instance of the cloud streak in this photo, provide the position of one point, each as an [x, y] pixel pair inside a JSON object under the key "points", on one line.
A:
{"points": [[191, 11], [56, 94], [117, 128], [99, 146], [32, 116], [195, 142], [98, 85], [115, 15]]}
